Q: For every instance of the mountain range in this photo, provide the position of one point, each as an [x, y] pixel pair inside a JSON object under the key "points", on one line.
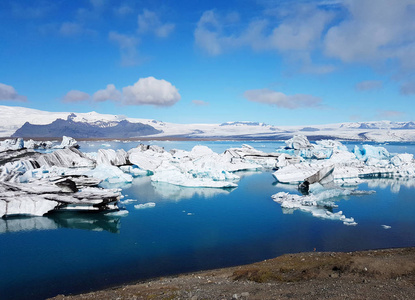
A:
{"points": [[31, 123]]}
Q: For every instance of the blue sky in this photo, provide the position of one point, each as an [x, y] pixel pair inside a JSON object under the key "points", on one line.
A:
{"points": [[278, 62]]}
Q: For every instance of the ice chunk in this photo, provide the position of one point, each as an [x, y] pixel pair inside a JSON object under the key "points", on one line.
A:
{"points": [[185, 175], [127, 201], [386, 227], [298, 142], [148, 157], [111, 157], [145, 205], [67, 142], [134, 170], [316, 204], [331, 144], [402, 159], [11, 144], [25, 205], [369, 151], [68, 158], [31, 144], [110, 174]]}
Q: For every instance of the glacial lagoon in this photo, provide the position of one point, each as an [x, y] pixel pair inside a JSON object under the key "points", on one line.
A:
{"points": [[190, 229]]}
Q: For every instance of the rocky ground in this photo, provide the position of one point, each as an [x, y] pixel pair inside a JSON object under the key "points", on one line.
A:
{"points": [[375, 274]]}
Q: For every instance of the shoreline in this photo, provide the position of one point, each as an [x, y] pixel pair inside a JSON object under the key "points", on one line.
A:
{"points": [[370, 274]]}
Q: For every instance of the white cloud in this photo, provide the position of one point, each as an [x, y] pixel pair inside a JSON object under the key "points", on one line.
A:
{"points": [[408, 88], [128, 48], [70, 28], [282, 100], [295, 34], [368, 85], [390, 114], [146, 91], [210, 36], [123, 10], [109, 93], [151, 91], [200, 103], [149, 22], [75, 96], [8, 92], [301, 30], [373, 31], [380, 34]]}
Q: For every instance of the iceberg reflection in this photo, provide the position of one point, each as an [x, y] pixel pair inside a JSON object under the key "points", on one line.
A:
{"points": [[176, 193], [394, 184], [87, 221]]}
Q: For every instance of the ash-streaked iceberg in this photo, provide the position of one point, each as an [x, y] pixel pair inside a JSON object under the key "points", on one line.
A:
{"points": [[349, 167]]}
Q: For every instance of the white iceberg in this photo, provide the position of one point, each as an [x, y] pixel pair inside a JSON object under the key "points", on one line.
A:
{"points": [[11, 144], [67, 142], [145, 205], [318, 204], [110, 174]]}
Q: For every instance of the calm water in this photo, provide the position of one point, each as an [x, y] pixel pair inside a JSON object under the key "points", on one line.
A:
{"points": [[190, 229]]}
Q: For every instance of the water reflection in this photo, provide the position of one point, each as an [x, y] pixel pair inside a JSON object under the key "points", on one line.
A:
{"points": [[87, 221], [144, 188], [177, 193], [394, 184]]}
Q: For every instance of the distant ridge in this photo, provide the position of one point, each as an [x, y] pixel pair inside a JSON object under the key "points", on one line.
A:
{"points": [[59, 127], [26, 122]]}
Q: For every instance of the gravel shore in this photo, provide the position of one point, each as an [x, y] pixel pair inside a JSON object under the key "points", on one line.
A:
{"points": [[374, 274]]}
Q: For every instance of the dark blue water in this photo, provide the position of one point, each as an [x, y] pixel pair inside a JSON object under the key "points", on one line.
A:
{"points": [[189, 229]]}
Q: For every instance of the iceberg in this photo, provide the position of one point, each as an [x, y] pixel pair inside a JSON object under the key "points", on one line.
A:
{"points": [[350, 167], [67, 158], [369, 151], [41, 196], [145, 205], [148, 157], [67, 142], [298, 142], [185, 175], [11, 144], [111, 157], [110, 174], [317, 204]]}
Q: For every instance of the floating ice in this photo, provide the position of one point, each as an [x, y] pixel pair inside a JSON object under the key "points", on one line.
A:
{"points": [[386, 227], [67, 142], [110, 174], [111, 157], [128, 201], [298, 142], [11, 144], [134, 170], [317, 204], [145, 205], [369, 151]]}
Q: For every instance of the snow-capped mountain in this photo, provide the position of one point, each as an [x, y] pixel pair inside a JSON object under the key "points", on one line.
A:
{"points": [[26, 122]]}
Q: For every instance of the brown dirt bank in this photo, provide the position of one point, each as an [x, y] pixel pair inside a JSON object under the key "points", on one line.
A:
{"points": [[374, 274]]}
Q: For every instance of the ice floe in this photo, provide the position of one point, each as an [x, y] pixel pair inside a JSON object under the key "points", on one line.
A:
{"points": [[145, 205], [318, 204]]}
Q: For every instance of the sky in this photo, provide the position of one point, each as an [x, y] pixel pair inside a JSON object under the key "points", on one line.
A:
{"points": [[280, 62]]}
